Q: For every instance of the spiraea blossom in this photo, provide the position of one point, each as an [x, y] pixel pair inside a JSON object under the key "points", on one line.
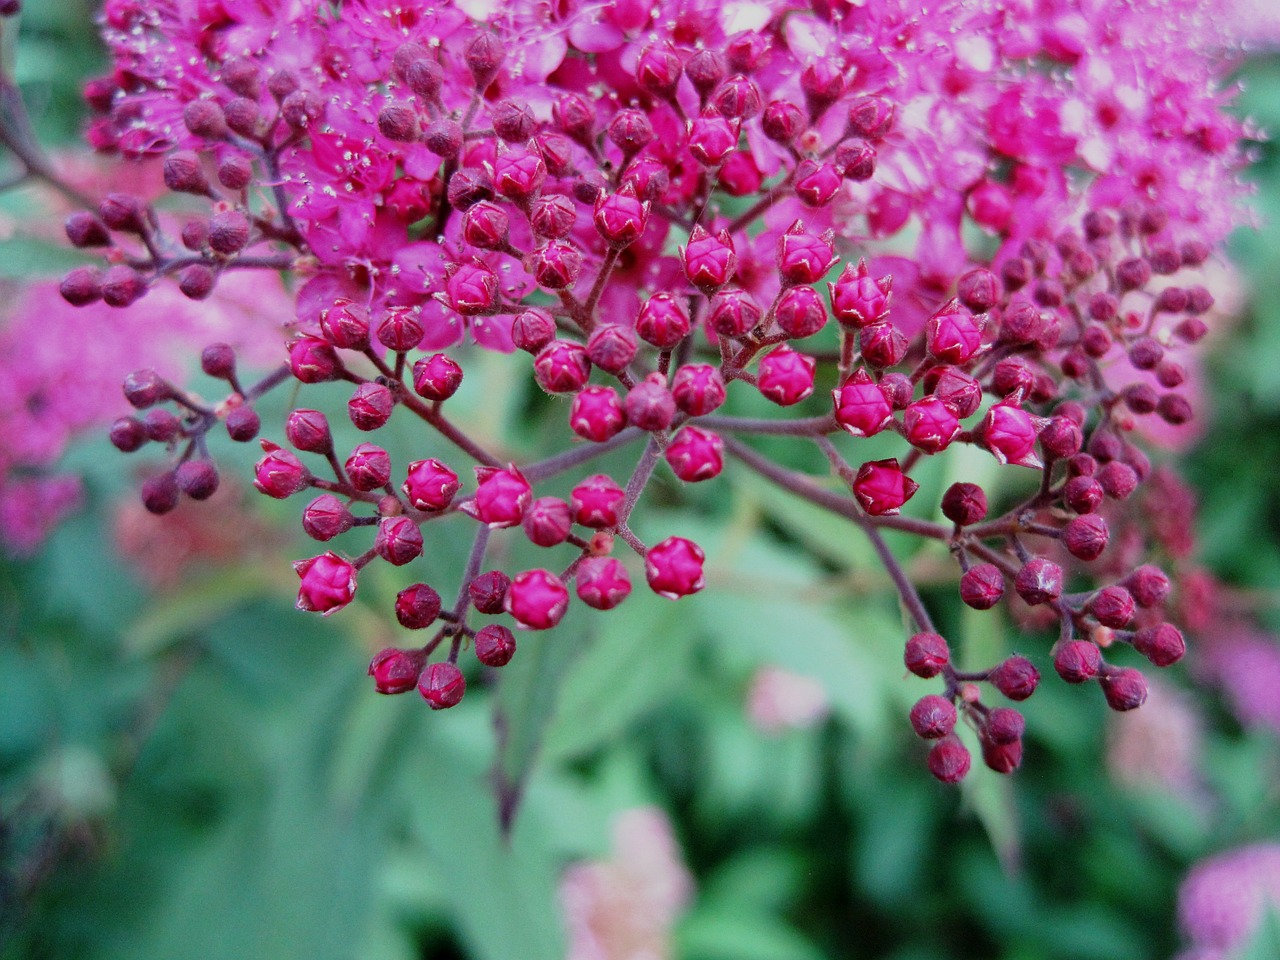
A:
{"points": [[979, 225]]}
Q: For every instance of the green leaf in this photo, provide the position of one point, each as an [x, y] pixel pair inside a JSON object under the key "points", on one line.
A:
{"points": [[741, 935]]}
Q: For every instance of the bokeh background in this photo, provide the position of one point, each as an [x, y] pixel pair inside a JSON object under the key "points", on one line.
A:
{"points": [[191, 768]]}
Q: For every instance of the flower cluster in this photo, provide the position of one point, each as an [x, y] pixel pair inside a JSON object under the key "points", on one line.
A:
{"points": [[977, 226]]}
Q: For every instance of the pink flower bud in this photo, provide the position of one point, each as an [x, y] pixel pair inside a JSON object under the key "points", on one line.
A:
{"points": [[562, 367], [733, 313], [856, 160], [1039, 581], [673, 568], [953, 335], [518, 174], [548, 521], [398, 122], [698, 389], [611, 347], [368, 467], [786, 377], [398, 541], [949, 761], [738, 98], [395, 671], [649, 404], [280, 474], [663, 321], [557, 265], [370, 406], [401, 329], [1162, 644], [328, 583], [553, 217], [926, 654], [228, 232], [513, 122], [325, 517], [822, 83], [85, 230], [495, 645], [484, 56], [712, 138], [800, 312], [1077, 661], [649, 178], [705, 70], [537, 599], [982, 586], [122, 286], [81, 286], [417, 606], [596, 502], [861, 406], [783, 121], [816, 183], [658, 70], [964, 504], [488, 591], [630, 130], [345, 325], [312, 360], [532, 330], [602, 582], [1009, 432], [574, 116], [183, 173], [882, 488], [871, 117], [436, 377], [1086, 536], [859, 300], [695, 455], [804, 258], [1124, 688], [242, 423], [308, 430], [597, 414], [930, 426], [430, 485], [472, 289], [127, 434], [620, 217], [442, 685], [933, 717], [709, 260], [1015, 677], [160, 493], [486, 226], [1002, 757], [501, 497]]}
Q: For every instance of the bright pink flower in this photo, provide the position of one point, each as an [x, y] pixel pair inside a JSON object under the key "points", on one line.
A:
{"points": [[328, 583]]}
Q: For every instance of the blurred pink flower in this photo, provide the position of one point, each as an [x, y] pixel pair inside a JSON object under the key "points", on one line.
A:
{"points": [[1221, 902], [779, 700], [1158, 745]]}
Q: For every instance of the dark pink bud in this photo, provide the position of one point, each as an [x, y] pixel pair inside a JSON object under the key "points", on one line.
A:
{"points": [[235, 172], [553, 217], [486, 225], [783, 121], [145, 388], [897, 387], [800, 312], [620, 217], [1003, 726], [395, 671], [1039, 581], [964, 504], [882, 488], [1082, 494], [198, 479], [738, 98], [698, 389], [1002, 757], [856, 160], [747, 50], [368, 467], [926, 654], [816, 183], [673, 568], [649, 404], [228, 232], [630, 131], [243, 423], [345, 325], [1173, 408], [649, 178], [81, 286], [663, 321], [86, 230], [160, 493], [1061, 438], [602, 582], [597, 414], [562, 367], [325, 517], [705, 70], [786, 377], [979, 290], [861, 405], [930, 425], [243, 115], [1077, 661], [1117, 479], [1009, 432], [953, 335], [488, 592], [430, 485], [709, 260], [871, 117], [1124, 688], [279, 473], [933, 717], [695, 455], [484, 56], [401, 329], [557, 265], [518, 174], [532, 330], [501, 497], [1162, 644], [1113, 607], [308, 430], [495, 645], [472, 289], [733, 313], [982, 586], [1015, 677], [548, 521], [469, 187], [442, 685], [949, 760], [127, 434], [122, 286], [611, 347], [161, 425], [804, 258], [1011, 375], [1086, 536], [312, 360], [537, 599], [183, 173], [822, 83], [513, 122], [196, 281], [370, 406], [436, 377], [712, 138], [204, 118], [858, 299], [1132, 273], [328, 583], [960, 392], [398, 122], [574, 116], [596, 502], [398, 541]]}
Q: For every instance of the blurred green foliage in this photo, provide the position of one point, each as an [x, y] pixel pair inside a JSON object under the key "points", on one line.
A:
{"points": [[204, 772]]}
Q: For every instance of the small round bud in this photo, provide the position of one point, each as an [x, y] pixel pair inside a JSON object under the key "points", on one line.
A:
{"points": [[235, 172], [1112, 606], [161, 425], [1149, 586], [488, 591], [243, 423], [442, 685], [1004, 726], [949, 760], [122, 285], [218, 360], [933, 717], [982, 586], [417, 606], [495, 645], [308, 430], [160, 493], [86, 230], [326, 517], [1162, 644], [1039, 581], [198, 479], [1015, 677], [1077, 661], [228, 232], [145, 388], [436, 377], [537, 599], [1082, 494], [964, 504], [395, 671], [1124, 688], [128, 434], [197, 281], [548, 521], [926, 654], [1086, 536]]}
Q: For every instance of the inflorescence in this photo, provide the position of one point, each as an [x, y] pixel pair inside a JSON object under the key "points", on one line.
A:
{"points": [[979, 225]]}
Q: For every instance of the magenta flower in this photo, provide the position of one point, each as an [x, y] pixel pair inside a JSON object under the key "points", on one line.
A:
{"points": [[328, 583]]}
